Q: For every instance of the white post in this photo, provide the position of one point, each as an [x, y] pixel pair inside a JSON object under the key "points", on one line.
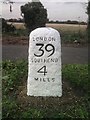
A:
{"points": [[44, 68]]}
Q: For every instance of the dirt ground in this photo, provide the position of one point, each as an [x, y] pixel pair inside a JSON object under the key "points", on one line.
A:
{"points": [[69, 97], [15, 40]]}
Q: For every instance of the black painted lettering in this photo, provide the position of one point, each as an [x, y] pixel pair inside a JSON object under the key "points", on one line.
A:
{"points": [[44, 80], [37, 38], [33, 39], [49, 39], [32, 60], [53, 79], [52, 60], [36, 79], [41, 38], [45, 38], [48, 79], [56, 60], [53, 39], [40, 79]]}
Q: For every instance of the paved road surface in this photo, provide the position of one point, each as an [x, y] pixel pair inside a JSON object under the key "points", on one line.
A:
{"points": [[69, 54]]}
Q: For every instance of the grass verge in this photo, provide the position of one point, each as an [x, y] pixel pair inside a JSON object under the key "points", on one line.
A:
{"points": [[77, 75], [14, 74]]}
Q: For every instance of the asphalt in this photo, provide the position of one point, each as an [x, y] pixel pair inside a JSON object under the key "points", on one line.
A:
{"points": [[70, 55]]}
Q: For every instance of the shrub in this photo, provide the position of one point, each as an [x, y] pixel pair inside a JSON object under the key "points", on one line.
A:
{"points": [[6, 27]]}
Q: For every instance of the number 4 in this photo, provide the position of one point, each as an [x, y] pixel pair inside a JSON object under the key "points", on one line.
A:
{"points": [[42, 70]]}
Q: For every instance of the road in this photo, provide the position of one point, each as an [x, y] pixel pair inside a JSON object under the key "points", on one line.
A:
{"points": [[70, 55]]}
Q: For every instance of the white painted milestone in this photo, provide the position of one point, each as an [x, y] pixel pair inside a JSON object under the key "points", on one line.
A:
{"points": [[44, 67]]}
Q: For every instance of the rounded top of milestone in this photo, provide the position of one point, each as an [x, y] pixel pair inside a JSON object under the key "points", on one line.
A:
{"points": [[44, 31]]}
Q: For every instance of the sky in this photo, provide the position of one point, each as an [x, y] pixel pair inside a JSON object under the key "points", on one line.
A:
{"points": [[60, 10]]}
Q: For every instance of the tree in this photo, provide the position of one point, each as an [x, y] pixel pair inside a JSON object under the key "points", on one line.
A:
{"points": [[6, 27], [35, 15], [88, 12]]}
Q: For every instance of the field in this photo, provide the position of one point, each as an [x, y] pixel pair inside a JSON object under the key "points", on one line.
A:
{"points": [[62, 27], [68, 27], [69, 34], [18, 25]]}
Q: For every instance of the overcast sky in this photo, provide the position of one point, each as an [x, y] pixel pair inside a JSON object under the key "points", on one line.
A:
{"points": [[57, 9]]}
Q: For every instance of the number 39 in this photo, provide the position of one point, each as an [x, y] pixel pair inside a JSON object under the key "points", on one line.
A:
{"points": [[51, 49]]}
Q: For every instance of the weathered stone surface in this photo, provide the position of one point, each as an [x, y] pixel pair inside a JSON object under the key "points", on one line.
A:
{"points": [[44, 68]]}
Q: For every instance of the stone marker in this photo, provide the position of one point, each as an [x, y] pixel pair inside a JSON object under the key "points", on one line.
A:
{"points": [[44, 69]]}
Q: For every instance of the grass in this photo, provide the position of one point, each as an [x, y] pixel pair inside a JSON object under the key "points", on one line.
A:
{"points": [[17, 33], [33, 113], [15, 73], [76, 111], [77, 75]]}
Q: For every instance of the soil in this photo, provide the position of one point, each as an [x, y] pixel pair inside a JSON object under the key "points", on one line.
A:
{"points": [[69, 97], [15, 40]]}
